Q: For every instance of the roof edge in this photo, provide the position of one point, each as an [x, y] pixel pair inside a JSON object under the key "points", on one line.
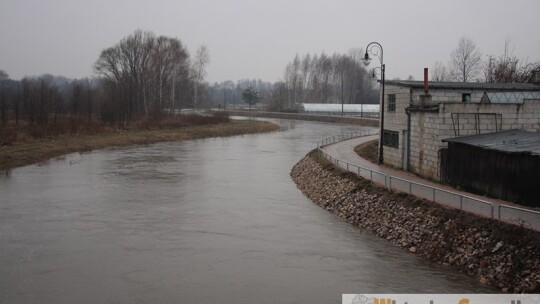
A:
{"points": [[484, 86]]}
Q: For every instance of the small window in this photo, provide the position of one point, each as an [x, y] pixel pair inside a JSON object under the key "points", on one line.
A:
{"points": [[391, 102], [466, 97], [391, 139]]}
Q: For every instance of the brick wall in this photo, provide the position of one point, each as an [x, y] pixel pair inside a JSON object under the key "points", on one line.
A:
{"points": [[428, 129], [396, 121]]}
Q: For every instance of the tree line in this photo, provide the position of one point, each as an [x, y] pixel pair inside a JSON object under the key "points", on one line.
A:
{"points": [[466, 65], [145, 76], [340, 78], [141, 77], [46, 99]]}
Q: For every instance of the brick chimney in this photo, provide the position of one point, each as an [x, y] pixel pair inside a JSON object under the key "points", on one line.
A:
{"points": [[425, 99], [426, 83]]}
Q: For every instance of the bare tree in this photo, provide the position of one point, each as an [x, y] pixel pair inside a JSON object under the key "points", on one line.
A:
{"points": [[135, 51], [201, 60], [465, 61], [3, 75], [227, 88], [293, 78], [168, 57], [336, 78], [278, 98], [341, 67], [109, 66], [509, 68], [76, 98], [88, 98], [439, 72], [143, 72], [304, 67]]}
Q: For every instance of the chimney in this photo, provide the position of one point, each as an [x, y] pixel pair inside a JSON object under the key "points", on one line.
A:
{"points": [[426, 84], [425, 99]]}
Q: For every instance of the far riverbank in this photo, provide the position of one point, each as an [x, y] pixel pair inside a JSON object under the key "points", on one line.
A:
{"points": [[39, 150], [358, 121]]}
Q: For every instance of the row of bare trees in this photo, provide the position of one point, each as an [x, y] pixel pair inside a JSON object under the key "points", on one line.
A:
{"points": [[466, 65], [142, 76], [45, 99], [228, 94], [145, 74], [340, 78], [313, 79]]}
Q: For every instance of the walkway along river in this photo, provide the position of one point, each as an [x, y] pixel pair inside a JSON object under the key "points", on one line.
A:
{"points": [[206, 221]]}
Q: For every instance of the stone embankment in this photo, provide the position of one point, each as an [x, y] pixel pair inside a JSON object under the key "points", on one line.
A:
{"points": [[502, 255]]}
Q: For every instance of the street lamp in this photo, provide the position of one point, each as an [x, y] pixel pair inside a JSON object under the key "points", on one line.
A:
{"points": [[374, 72], [374, 48]]}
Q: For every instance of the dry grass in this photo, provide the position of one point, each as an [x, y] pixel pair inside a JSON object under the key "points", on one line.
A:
{"points": [[369, 151], [31, 151]]}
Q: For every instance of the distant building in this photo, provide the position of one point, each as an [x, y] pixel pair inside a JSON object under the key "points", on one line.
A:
{"points": [[363, 110], [416, 119]]}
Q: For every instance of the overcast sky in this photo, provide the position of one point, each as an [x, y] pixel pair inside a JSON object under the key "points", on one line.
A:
{"points": [[256, 39]]}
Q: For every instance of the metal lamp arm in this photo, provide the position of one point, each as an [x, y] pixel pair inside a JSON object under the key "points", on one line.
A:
{"points": [[378, 47]]}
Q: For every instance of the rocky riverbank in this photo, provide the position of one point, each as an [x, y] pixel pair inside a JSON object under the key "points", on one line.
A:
{"points": [[502, 255]]}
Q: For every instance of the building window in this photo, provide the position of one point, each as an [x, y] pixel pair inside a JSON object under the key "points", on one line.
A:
{"points": [[466, 97], [391, 102], [391, 139]]}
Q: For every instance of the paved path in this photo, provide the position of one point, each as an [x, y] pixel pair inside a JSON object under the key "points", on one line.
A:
{"points": [[345, 151]]}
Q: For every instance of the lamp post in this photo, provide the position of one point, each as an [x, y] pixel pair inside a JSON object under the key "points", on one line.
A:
{"points": [[374, 48], [374, 73]]}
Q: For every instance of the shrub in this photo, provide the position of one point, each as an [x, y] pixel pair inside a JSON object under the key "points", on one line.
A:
{"points": [[8, 136]]}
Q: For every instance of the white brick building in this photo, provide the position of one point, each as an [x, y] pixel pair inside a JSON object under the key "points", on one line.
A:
{"points": [[415, 123]]}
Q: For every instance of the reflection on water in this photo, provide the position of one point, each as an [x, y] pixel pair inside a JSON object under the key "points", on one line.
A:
{"points": [[214, 220]]}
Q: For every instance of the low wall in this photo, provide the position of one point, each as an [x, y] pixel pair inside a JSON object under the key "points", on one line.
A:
{"points": [[504, 256], [368, 122]]}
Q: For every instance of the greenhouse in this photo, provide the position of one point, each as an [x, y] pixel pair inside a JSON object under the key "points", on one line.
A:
{"points": [[364, 110], [509, 97]]}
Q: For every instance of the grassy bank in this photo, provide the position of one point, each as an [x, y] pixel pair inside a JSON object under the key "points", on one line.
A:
{"points": [[369, 151], [39, 150]]}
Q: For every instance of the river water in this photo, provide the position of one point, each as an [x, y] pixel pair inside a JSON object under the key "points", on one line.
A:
{"points": [[205, 221]]}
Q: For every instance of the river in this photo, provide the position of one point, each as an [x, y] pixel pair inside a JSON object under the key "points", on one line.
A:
{"points": [[204, 221]]}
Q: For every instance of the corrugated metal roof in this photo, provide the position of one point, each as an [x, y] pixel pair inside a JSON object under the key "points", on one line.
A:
{"points": [[512, 141], [467, 85]]}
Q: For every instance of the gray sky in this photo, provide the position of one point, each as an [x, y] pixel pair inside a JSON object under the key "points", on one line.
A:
{"points": [[256, 39]]}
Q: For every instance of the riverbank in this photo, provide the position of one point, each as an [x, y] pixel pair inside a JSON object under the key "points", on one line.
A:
{"points": [[359, 121], [39, 150], [497, 254]]}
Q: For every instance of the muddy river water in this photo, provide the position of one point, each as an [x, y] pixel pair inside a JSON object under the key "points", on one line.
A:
{"points": [[205, 221]]}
